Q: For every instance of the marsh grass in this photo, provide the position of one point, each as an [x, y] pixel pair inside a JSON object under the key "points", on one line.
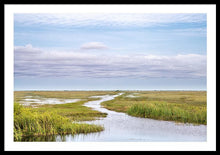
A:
{"points": [[169, 111], [74, 111], [29, 122], [19, 95], [179, 106], [53, 119]]}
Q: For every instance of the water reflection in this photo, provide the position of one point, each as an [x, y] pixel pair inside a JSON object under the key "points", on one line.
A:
{"points": [[62, 138], [49, 138]]}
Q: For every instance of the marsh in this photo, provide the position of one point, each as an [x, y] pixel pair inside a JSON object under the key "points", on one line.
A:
{"points": [[115, 123]]}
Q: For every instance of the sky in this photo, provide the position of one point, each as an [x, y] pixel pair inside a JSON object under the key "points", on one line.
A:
{"points": [[110, 51]]}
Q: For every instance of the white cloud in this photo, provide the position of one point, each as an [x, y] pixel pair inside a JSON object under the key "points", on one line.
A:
{"points": [[108, 19], [93, 45], [30, 61]]}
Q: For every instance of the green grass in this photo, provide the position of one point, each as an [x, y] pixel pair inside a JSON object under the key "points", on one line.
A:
{"points": [[30, 122], [19, 95], [74, 111], [179, 106], [52, 119], [48, 119], [169, 111]]}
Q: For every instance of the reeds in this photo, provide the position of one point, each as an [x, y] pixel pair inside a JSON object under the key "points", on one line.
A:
{"points": [[28, 122], [179, 106], [168, 111]]}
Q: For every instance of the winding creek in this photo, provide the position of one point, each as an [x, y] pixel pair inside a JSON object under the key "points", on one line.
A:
{"points": [[120, 127]]}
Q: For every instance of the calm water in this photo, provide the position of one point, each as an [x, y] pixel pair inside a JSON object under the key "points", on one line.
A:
{"points": [[120, 127]]}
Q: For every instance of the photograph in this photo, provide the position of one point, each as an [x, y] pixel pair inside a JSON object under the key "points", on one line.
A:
{"points": [[110, 74]]}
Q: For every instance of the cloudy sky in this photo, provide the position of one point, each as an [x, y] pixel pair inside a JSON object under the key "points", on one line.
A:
{"points": [[110, 51]]}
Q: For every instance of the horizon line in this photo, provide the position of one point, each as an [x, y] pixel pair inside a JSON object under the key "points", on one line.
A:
{"points": [[111, 90]]}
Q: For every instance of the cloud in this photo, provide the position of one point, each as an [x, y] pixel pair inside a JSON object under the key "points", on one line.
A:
{"points": [[35, 62], [93, 45], [108, 19]]}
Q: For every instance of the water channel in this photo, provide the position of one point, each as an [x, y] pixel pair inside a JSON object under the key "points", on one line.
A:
{"points": [[120, 127]]}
